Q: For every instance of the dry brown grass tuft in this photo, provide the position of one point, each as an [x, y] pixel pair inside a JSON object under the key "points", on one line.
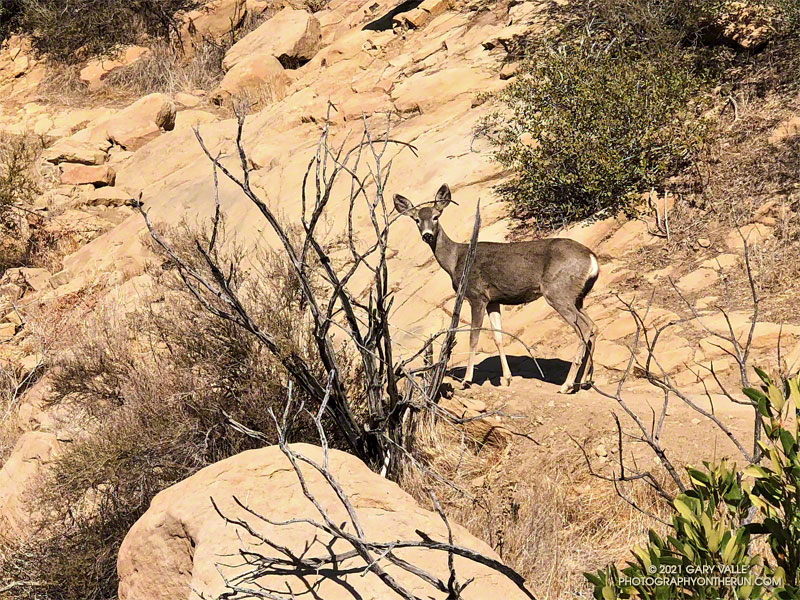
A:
{"points": [[539, 508], [166, 69]]}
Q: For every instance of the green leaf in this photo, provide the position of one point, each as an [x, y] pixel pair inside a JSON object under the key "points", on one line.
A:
{"points": [[762, 374], [608, 593], [755, 471]]}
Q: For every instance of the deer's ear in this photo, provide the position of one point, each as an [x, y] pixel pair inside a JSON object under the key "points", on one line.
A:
{"points": [[402, 204], [442, 197]]}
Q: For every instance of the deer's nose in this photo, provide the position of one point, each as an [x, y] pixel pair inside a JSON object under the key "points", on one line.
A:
{"points": [[427, 237]]}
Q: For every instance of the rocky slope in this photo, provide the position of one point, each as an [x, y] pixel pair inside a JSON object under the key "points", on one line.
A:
{"points": [[425, 68]]}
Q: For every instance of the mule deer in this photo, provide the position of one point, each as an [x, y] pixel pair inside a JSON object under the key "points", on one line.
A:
{"points": [[561, 270]]}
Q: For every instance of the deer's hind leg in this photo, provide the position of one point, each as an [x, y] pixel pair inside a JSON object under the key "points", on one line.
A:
{"points": [[587, 367], [585, 329], [478, 309], [493, 308]]}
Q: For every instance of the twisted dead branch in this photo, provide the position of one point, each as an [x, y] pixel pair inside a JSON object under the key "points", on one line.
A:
{"points": [[356, 554], [365, 167]]}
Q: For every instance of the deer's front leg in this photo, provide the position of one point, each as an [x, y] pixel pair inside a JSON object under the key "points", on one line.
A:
{"points": [[478, 309]]}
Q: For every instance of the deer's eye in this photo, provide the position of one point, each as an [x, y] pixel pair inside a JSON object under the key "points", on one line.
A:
{"points": [[435, 219]]}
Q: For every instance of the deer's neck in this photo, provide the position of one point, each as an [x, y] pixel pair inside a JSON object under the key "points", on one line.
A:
{"points": [[446, 251]]}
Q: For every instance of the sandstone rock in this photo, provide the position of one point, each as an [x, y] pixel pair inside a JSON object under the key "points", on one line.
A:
{"points": [[256, 7], [611, 355], [174, 548], [483, 430], [753, 234], [697, 280], [13, 317], [259, 77], [509, 70], [34, 278], [68, 150], [142, 121], [11, 291], [786, 129], [98, 69], [97, 175], [291, 36], [424, 92], [109, 196], [721, 262], [7, 331], [435, 7], [132, 127], [414, 18], [42, 126], [187, 100], [190, 118], [33, 451], [213, 20]]}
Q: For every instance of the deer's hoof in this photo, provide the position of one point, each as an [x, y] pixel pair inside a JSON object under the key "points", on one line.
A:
{"points": [[505, 381], [465, 385], [567, 388]]}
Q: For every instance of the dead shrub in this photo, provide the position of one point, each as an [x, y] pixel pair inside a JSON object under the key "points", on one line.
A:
{"points": [[20, 183], [547, 518], [151, 391], [71, 31]]}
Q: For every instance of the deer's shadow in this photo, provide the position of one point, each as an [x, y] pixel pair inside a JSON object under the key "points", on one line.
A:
{"points": [[553, 370]]}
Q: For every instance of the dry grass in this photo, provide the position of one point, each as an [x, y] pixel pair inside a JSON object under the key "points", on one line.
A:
{"points": [[166, 69], [539, 508]]}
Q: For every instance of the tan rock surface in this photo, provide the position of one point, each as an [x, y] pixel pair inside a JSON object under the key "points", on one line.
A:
{"points": [[133, 126], [259, 76], [290, 36], [173, 550], [33, 451], [68, 150], [74, 174]]}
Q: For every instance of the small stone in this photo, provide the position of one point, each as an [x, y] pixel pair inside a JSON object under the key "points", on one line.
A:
{"points": [[509, 70], [601, 450], [187, 100], [7, 331], [703, 242], [13, 318]]}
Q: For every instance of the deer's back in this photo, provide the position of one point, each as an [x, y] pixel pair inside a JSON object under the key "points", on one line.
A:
{"points": [[520, 272]]}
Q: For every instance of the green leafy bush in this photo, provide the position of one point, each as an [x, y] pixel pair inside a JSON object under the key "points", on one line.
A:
{"points": [[586, 130], [711, 553], [74, 30]]}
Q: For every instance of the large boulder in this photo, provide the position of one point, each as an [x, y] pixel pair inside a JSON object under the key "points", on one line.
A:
{"points": [[260, 77], [212, 21], [134, 126], [174, 550], [292, 36]]}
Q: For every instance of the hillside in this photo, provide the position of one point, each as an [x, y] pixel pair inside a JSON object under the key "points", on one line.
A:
{"points": [[424, 75]]}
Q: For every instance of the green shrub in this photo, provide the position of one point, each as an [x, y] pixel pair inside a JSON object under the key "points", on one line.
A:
{"points": [[711, 551], [74, 30], [585, 130]]}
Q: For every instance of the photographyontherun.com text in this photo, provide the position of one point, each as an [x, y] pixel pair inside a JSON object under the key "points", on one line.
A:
{"points": [[730, 576]]}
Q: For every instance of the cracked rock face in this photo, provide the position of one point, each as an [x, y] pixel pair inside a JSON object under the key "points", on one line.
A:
{"points": [[176, 546]]}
